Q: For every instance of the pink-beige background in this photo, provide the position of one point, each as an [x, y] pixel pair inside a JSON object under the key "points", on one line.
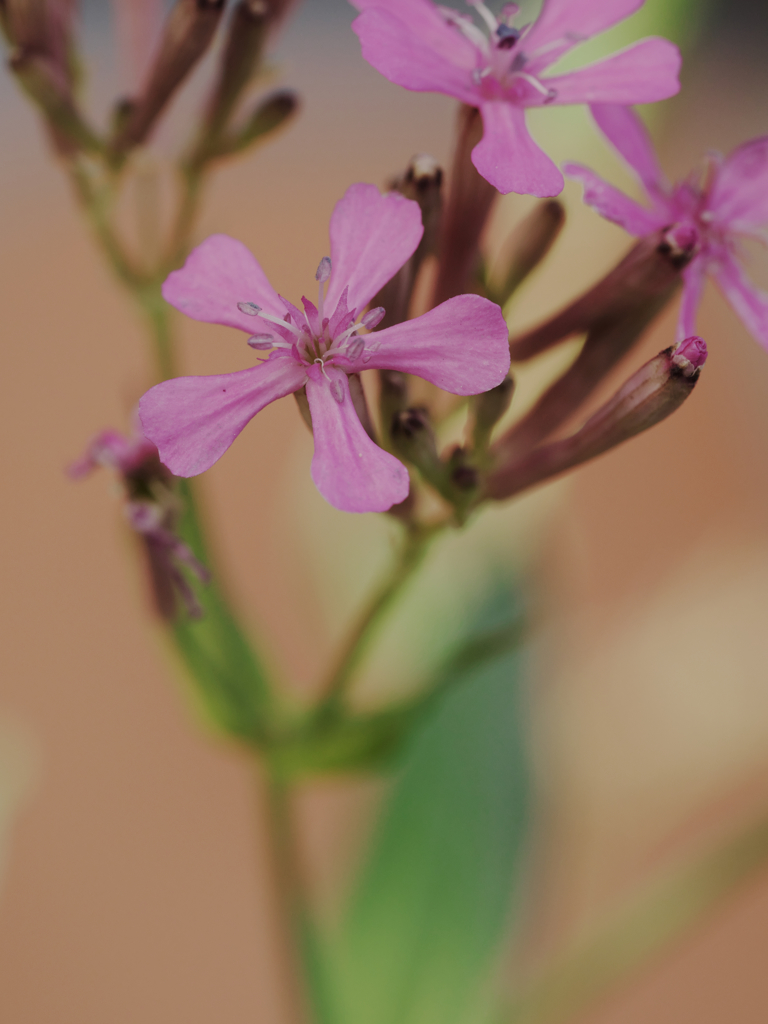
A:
{"points": [[135, 881]]}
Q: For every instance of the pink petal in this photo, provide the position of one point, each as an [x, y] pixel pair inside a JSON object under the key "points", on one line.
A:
{"points": [[750, 303], [643, 73], [612, 204], [694, 278], [417, 58], [740, 193], [572, 21], [627, 132], [423, 20], [350, 471], [372, 235], [218, 274], [193, 420], [462, 346], [508, 157]]}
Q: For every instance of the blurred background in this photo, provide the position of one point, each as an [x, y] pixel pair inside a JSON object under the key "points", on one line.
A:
{"points": [[135, 881]]}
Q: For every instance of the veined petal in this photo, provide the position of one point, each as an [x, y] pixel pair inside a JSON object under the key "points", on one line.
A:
{"points": [[193, 420], [573, 21], [425, 22], [612, 204], [372, 235], [411, 59], [643, 73], [508, 157], [350, 471], [625, 130], [218, 274], [749, 302], [694, 278], [462, 346], [739, 195]]}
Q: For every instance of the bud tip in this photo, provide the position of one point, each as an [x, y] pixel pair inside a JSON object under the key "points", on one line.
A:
{"points": [[690, 355]]}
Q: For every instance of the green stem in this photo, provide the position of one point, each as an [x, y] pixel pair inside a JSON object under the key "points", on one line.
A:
{"points": [[412, 552], [671, 907], [158, 314], [304, 978]]}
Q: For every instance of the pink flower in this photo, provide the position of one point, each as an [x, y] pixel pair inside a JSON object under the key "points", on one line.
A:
{"points": [[713, 210], [461, 346], [430, 48]]}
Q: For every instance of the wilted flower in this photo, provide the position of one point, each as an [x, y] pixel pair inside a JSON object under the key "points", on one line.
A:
{"points": [[151, 509], [461, 346], [430, 48], [712, 211]]}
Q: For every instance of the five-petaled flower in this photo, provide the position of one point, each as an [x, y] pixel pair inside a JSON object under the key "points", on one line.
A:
{"points": [[430, 48], [712, 210], [461, 346]]}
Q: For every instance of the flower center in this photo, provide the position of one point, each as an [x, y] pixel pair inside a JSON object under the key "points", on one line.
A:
{"points": [[502, 62], [313, 338]]}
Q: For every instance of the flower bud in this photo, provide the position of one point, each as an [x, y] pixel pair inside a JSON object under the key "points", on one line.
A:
{"points": [[649, 396], [188, 32], [487, 410], [413, 440], [614, 314], [270, 114], [526, 247], [469, 202]]}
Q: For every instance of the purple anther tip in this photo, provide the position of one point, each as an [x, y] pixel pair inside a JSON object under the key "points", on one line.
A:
{"points": [[323, 270]]}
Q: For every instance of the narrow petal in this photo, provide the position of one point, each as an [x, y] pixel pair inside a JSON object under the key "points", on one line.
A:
{"points": [[573, 21], [372, 235], [193, 420], [643, 73], [218, 274], [462, 346], [508, 157], [739, 195], [626, 131], [750, 303], [350, 471], [694, 278], [424, 21], [612, 204], [414, 59]]}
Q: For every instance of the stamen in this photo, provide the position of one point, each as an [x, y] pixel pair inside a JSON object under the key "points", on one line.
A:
{"points": [[464, 24], [281, 323], [478, 75], [338, 342], [322, 275], [249, 308], [370, 350], [548, 94], [484, 13], [509, 11]]}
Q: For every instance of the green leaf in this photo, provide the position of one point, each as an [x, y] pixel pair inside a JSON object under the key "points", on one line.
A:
{"points": [[432, 906]]}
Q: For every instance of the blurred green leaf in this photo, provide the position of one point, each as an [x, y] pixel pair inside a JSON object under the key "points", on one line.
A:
{"points": [[431, 908]]}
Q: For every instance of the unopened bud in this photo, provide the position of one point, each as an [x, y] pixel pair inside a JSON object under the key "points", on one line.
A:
{"points": [[648, 397], [614, 314], [414, 440], [188, 32], [487, 410], [273, 113], [527, 246], [678, 242], [466, 212]]}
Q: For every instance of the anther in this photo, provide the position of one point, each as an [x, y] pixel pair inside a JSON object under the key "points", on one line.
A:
{"points": [[262, 342], [355, 348], [323, 270], [249, 308], [373, 317], [507, 37]]}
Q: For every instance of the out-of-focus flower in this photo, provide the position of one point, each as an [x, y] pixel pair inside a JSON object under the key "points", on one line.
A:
{"points": [[711, 211], [151, 509], [430, 48], [461, 346]]}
